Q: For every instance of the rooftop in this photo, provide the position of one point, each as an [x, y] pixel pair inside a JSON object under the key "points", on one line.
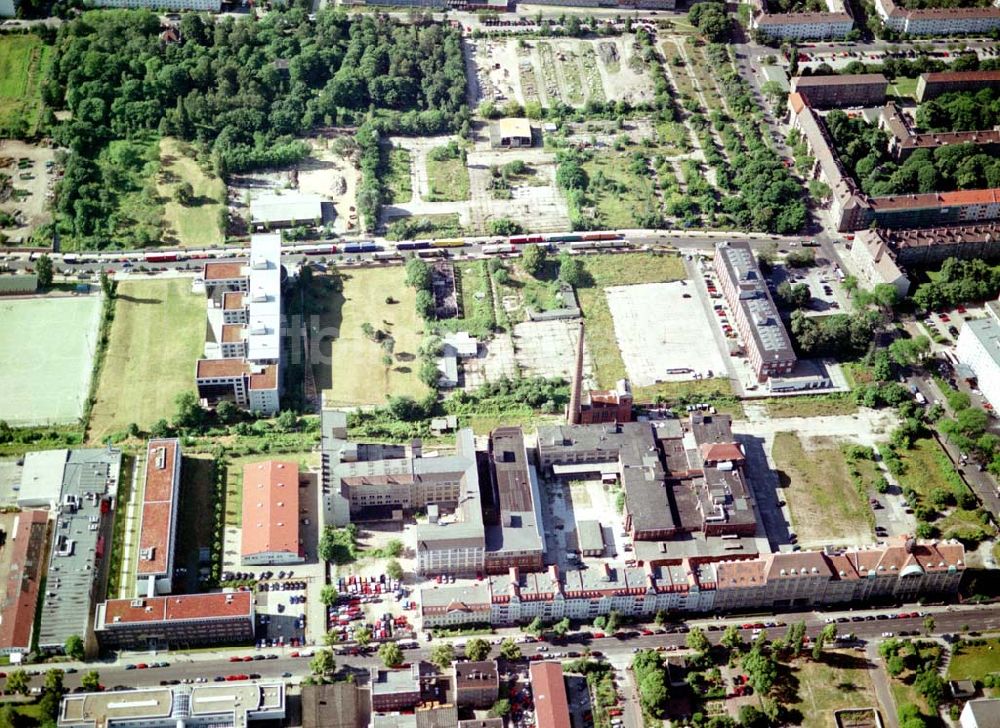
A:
{"points": [[163, 468], [223, 270], [987, 332], [856, 79], [388, 682], [26, 543], [42, 477], [520, 526], [270, 508], [475, 674], [174, 608], [264, 312], [286, 207], [549, 688], [340, 705]]}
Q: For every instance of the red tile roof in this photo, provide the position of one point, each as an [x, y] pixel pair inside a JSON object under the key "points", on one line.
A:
{"points": [[961, 76], [162, 456], [717, 452], [232, 333], [217, 368], [224, 271], [177, 608], [27, 545], [232, 300], [266, 379], [937, 199], [270, 508], [549, 688]]}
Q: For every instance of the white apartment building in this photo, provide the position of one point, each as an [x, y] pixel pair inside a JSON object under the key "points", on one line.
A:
{"points": [[979, 349], [212, 6]]}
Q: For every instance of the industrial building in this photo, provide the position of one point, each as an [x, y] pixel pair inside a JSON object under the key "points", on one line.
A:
{"points": [[176, 621], [510, 134], [19, 596], [232, 705], [158, 519], [515, 536], [338, 705], [595, 406], [42, 479], [243, 359], [768, 347], [80, 534], [270, 526], [278, 210]]}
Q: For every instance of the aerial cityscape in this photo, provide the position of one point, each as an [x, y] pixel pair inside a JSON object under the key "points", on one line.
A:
{"points": [[489, 364]]}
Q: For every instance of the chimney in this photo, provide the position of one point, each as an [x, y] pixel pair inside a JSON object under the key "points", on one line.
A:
{"points": [[573, 416]]}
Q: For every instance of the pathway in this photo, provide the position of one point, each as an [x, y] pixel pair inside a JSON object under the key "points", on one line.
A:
{"points": [[880, 680], [133, 514]]}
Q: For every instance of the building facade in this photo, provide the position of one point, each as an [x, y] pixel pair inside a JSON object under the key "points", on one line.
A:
{"points": [[979, 348], [862, 89], [477, 684], [937, 21], [932, 85]]}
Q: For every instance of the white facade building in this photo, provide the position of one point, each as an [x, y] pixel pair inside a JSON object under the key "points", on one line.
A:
{"points": [[979, 348]]}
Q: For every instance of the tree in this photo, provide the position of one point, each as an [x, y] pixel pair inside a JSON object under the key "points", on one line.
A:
{"points": [[43, 269], [761, 669], [363, 636], [189, 415], [561, 628], [53, 681], [929, 624], [425, 305], [504, 226], [393, 570], [160, 429], [931, 685], [331, 638], [751, 716], [732, 638], [895, 665], [391, 654], [510, 650], [17, 682], [907, 352], [697, 640], [711, 20], [226, 411], [654, 692], [773, 91], [329, 595], [571, 176], [571, 270], [368, 330], [535, 627], [600, 621], [74, 647], [418, 274], [91, 680], [323, 663], [477, 649], [443, 655], [613, 623], [533, 259], [183, 193], [287, 421], [500, 708]]}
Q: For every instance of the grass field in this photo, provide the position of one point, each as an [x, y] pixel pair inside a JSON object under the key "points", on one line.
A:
{"points": [[197, 222], [47, 350], [825, 507], [447, 180], [904, 87], [397, 180], [157, 335], [356, 374], [840, 681], [924, 465], [624, 196], [617, 270], [974, 662], [24, 62], [811, 406]]}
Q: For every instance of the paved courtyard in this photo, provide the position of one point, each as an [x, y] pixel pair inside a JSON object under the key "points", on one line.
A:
{"points": [[548, 349]]}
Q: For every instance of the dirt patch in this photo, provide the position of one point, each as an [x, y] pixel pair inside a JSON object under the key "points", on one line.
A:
{"points": [[336, 179], [29, 171]]}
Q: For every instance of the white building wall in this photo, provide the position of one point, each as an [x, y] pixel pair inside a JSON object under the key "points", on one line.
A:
{"points": [[209, 5], [970, 351], [7, 9]]}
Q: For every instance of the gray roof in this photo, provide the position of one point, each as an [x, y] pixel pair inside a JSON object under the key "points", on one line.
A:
{"points": [[18, 283], [589, 535], [440, 716], [387, 682], [985, 712], [472, 593], [73, 561], [340, 705], [987, 332], [517, 495], [469, 523], [283, 208]]}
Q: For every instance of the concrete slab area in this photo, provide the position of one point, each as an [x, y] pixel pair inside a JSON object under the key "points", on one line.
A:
{"points": [[661, 327], [548, 349]]}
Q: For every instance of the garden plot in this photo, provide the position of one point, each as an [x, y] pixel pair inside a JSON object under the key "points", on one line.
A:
{"points": [[661, 334]]}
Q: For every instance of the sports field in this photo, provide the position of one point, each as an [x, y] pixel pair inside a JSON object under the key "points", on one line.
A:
{"points": [[24, 61], [156, 337], [356, 374], [46, 358]]}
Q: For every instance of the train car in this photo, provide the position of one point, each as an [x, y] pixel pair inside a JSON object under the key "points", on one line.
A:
{"points": [[603, 236], [589, 245], [432, 253], [368, 247], [564, 238], [70, 259], [448, 243], [324, 249], [524, 239], [413, 245], [498, 249], [162, 257], [387, 255]]}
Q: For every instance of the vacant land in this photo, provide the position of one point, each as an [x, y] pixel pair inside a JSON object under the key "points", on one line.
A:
{"points": [[194, 222], [840, 681], [825, 507], [157, 335], [926, 467], [398, 187], [47, 350], [447, 176], [24, 62], [355, 374], [810, 406], [616, 270], [974, 662], [622, 193]]}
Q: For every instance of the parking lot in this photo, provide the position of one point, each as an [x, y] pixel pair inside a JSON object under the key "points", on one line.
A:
{"points": [[943, 327], [824, 287]]}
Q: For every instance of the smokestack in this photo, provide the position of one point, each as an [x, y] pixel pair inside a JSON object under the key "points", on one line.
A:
{"points": [[573, 416]]}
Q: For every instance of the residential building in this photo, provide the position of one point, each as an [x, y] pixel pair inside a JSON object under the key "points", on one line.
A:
{"points": [[338, 705], [979, 349], [768, 347], [982, 713], [233, 704], [243, 359], [477, 684], [210, 6], [80, 534], [548, 687], [874, 262], [26, 543], [515, 536], [270, 526], [903, 140], [175, 621], [932, 85], [510, 134], [619, 4], [938, 21], [395, 690], [42, 479], [279, 210], [802, 26], [904, 570], [158, 519], [837, 91]]}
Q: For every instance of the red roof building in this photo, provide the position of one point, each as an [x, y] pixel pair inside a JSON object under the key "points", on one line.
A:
{"points": [[271, 513], [158, 526], [26, 543], [549, 689]]}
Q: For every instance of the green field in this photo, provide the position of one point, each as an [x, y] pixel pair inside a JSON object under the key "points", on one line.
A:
{"points": [[923, 472], [47, 350], [825, 506], [974, 662], [356, 374], [622, 196], [810, 406], [447, 179], [904, 87], [840, 681], [397, 180], [195, 224], [24, 62], [157, 335], [617, 270]]}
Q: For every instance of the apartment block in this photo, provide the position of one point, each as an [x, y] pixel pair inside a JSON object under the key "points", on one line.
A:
{"points": [[175, 622], [477, 684], [979, 349], [158, 519], [932, 85], [395, 690], [210, 6], [874, 262], [243, 359], [768, 347], [938, 21], [824, 92], [903, 140]]}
